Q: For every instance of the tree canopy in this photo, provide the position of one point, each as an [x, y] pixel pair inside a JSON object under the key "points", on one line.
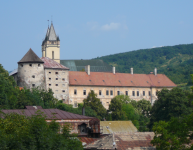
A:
{"points": [[94, 103], [170, 103], [19, 132]]}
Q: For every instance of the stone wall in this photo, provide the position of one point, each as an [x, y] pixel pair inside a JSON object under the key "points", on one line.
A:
{"points": [[31, 75], [58, 81]]}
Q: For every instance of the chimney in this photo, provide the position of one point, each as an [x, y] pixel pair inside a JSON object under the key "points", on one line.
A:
{"points": [[155, 71], [87, 69], [113, 69], [131, 70], [83, 111]]}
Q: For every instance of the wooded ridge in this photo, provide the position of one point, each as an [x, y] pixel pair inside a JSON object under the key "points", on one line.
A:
{"points": [[174, 61]]}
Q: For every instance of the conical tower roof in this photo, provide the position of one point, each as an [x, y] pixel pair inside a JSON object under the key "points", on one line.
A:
{"points": [[30, 57], [52, 34], [48, 31]]}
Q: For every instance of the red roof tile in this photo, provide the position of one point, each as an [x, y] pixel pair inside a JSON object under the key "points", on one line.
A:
{"points": [[49, 63], [119, 79]]}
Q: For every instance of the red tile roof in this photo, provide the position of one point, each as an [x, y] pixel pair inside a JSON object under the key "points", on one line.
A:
{"points": [[119, 79], [49, 63], [51, 114]]}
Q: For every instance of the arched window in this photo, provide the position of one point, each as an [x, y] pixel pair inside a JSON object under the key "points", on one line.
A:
{"points": [[52, 54]]}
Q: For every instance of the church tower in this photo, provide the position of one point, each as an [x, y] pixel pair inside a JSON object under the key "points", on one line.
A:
{"points": [[51, 45]]}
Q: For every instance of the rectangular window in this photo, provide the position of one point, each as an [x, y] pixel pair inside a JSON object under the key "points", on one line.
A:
{"points": [[137, 93], [63, 91], [111, 92], [100, 92], [118, 92], [126, 93], [84, 92], [33, 85], [149, 93], [107, 92], [56, 72], [33, 76], [75, 91], [49, 72], [56, 84], [49, 84], [63, 79], [30, 65], [52, 54], [38, 65], [49, 78], [75, 104], [143, 93], [56, 78], [133, 93]]}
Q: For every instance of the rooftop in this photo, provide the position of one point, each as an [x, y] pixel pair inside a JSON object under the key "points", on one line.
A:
{"points": [[119, 79], [96, 65], [123, 141], [49, 63], [51, 114], [110, 127], [30, 56]]}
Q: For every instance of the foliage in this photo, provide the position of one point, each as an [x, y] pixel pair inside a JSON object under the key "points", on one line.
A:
{"points": [[11, 97], [122, 108], [174, 61], [19, 132], [170, 103], [174, 134], [69, 108], [95, 104]]}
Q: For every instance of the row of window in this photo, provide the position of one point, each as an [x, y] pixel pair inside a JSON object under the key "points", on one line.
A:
{"points": [[63, 79], [118, 92], [55, 72], [56, 84], [30, 65]]}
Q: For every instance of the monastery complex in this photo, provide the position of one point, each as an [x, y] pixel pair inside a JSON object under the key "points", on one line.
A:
{"points": [[72, 85]]}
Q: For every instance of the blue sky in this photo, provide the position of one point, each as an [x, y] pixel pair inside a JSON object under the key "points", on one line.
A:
{"points": [[88, 29]]}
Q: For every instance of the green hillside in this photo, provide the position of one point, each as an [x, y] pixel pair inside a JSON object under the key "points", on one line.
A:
{"points": [[174, 61]]}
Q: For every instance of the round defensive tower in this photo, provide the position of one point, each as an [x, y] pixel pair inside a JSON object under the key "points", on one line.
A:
{"points": [[31, 71]]}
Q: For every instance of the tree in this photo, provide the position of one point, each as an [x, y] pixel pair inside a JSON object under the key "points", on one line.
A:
{"points": [[69, 108], [170, 103], [34, 133], [94, 103], [175, 134]]}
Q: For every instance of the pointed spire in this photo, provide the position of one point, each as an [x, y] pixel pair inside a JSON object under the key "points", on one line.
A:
{"points": [[30, 56], [47, 31], [52, 35]]}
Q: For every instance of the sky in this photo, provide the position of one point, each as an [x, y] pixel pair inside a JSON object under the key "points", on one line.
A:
{"points": [[90, 29]]}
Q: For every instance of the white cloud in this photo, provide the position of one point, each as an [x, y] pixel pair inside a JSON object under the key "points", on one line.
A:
{"points": [[111, 26]]}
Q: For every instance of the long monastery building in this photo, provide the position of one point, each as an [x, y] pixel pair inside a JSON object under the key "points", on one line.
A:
{"points": [[72, 85]]}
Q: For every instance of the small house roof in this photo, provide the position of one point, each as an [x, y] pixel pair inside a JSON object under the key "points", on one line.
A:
{"points": [[51, 114], [30, 56]]}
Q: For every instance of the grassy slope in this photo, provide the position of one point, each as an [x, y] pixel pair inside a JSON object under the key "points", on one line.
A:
{"points": [[174, 61]]}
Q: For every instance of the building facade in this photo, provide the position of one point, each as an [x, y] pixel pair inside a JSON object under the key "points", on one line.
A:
{"points": [[72, 86]]}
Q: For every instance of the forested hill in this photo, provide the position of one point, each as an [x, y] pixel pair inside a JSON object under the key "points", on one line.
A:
{"points": [[174, 61]]}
